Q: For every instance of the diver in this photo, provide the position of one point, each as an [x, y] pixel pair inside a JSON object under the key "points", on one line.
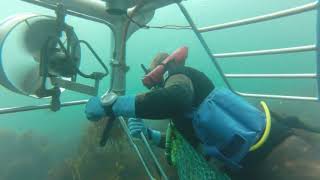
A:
{"points": [[222, 124]]}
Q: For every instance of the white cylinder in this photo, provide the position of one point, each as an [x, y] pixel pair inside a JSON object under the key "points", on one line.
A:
{"points": [[21, 39]]}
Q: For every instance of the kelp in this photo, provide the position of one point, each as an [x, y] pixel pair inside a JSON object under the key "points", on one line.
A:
{"points": [[115, 161], [32, 156], [23, 155]]}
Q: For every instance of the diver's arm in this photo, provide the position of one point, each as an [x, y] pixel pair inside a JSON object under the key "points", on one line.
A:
{"points": [[163, 103], [174, 98]]}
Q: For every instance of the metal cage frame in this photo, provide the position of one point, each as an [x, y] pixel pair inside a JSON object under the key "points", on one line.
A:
{"points": [[258, 19], [118, 75]]}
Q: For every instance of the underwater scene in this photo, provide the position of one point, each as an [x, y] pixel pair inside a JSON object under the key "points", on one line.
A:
{"points": [[105, 89]]}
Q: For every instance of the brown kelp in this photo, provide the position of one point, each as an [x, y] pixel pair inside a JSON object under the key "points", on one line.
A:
{"points": [[116, 160], [32, 156], [23, 156]]}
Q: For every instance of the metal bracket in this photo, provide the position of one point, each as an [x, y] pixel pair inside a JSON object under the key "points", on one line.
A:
{"points": [[122, 66], [61, 17], [73, 86]]}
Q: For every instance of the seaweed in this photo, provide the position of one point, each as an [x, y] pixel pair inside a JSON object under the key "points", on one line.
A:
{"points": [[22, 156], [31, 156], [115, 161]]}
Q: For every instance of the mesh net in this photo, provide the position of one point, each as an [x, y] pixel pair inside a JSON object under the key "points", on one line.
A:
{"points": [[189, 163]]}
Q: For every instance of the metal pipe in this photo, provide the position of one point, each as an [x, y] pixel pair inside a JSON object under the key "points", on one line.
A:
{"points": [[318, 50], [135, 147], [118, 80], [145, 141], [38, 107], [94, 8], [278, 96], [267, 17], [151, 5], [120, 64], [41, 3], [271, 75], [117, 85], [118, 71], [203, 43], [70, 12], [267, 51]]}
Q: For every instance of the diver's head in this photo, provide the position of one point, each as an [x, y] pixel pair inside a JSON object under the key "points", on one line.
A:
{"points": [[154, 76], [149, 74], [160, 57]]}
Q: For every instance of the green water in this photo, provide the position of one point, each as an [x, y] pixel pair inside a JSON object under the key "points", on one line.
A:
{"points": [[67, 125]]}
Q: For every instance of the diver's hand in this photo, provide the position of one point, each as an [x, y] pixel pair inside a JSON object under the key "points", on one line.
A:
{"points": [[136, 126], [110, 105], [95, 110]]}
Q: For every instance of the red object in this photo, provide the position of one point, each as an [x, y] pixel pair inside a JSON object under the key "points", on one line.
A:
{"points": [[155, 77]]}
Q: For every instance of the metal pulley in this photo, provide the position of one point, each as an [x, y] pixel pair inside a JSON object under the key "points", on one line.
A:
{"points": [[40, 56], [22, 38]]}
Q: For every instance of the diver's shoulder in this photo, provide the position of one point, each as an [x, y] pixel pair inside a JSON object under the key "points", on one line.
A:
{"points": [[193, 70]]}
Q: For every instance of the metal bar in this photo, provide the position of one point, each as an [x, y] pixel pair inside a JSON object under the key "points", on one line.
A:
{"points": [[151, 5], [41, 3], [89, 7], [203, 43], [135, 147], [38, 107], [70, 12], [267, 51], [278, 96], [318, 50], [145, 141], [118, 77], [271, 75], [267, 17], [74, 86]]}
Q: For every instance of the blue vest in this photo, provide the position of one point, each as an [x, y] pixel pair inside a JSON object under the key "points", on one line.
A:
{"points": [[227, 126]]}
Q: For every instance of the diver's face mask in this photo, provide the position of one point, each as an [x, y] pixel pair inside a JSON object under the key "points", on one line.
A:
{"points": [[156, 85], [154, 77]]}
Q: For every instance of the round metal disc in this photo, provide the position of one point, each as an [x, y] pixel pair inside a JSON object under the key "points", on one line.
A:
{"points": [[21, 39]]}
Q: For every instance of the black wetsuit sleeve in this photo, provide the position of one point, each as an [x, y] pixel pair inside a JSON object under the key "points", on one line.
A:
{"points": [[172, 100]]}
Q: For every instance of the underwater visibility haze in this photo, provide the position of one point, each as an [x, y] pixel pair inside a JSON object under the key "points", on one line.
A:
{"points": [[64, 145]]}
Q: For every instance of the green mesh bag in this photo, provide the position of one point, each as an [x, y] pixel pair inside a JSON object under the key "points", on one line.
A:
{"points": [[188, 162]]}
